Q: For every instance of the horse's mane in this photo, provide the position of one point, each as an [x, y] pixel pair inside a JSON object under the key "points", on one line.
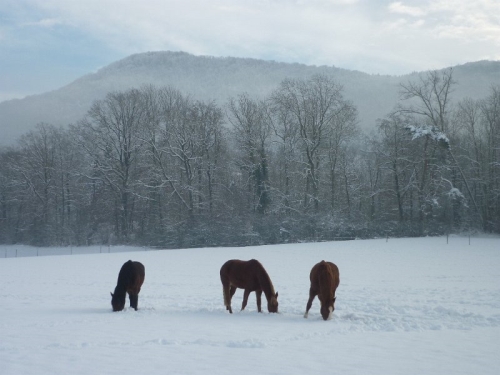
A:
{"points": [[265, 281], [326, 277]]}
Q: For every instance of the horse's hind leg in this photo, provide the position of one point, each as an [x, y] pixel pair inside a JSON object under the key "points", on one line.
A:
{"points": [[233, 290], [258, 294], [312, 294]]}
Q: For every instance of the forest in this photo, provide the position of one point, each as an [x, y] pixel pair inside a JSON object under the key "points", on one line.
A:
{"points": [[151, 166]]}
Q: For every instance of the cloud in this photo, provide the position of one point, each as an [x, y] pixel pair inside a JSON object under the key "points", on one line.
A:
{"points": [[46, 22], [284, 28], [399, 8], [394, 37]]}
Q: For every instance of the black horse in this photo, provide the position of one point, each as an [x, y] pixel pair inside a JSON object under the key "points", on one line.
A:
{"points": [[130, 280]]}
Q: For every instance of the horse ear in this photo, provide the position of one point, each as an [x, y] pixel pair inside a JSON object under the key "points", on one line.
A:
{"points": [[111, 294]]}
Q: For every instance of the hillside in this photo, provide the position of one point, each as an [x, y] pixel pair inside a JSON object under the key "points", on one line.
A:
{"points": [[210, 78]]}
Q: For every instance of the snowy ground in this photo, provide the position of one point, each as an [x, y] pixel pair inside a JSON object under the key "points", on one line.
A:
{"points": [[406, 306]]}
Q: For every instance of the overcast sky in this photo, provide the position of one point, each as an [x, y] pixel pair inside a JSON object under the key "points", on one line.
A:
{"points": [[46, 44]]}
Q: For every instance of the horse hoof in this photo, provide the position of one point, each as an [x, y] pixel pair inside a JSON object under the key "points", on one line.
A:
{"points": [[306, 315]]}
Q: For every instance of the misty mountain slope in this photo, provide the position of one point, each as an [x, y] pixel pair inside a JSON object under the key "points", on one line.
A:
{"points": [[210, 78]]}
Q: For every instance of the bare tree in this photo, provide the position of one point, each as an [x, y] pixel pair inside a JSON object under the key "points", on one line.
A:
{"points": [[427, 103], [324, 120], [110, 135], [396, 154], [429, 97], [287, 155], [490, 121], [183, 151], [252, 131]]}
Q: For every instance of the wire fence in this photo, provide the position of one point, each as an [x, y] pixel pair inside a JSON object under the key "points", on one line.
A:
{"points": [[17, 251], [12, 251]]}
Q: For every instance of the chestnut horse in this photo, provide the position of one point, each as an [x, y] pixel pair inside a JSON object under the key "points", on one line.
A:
{"points": [[252, 277], [324, 282], [130, 280]]}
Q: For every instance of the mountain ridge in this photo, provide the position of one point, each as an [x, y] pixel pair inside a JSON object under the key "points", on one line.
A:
{"points": [[218, 78]]}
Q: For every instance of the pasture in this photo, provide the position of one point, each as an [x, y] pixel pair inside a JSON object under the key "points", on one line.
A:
{"points": [[404, 306]]}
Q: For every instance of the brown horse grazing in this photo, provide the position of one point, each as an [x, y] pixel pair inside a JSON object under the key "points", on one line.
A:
{"points": [[130, 280], [252, 277], [324, 282]]}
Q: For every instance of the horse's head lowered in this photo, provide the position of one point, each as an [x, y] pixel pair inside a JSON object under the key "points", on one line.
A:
{"points": [[272, 304], [117, 301], [327, 310]]}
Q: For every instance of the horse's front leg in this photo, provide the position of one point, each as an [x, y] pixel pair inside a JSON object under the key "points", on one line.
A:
{"points": [[245, 298], [134, 300], [312, 294], [258, 294]]}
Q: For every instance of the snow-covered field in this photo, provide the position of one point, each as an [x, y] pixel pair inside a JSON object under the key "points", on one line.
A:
{"points": [[404, 306]]}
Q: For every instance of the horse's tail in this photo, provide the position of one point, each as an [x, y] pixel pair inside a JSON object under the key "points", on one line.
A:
{"points": [[227, 294], [226, 284]]}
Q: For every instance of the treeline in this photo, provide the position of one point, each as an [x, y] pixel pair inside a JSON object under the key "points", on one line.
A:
{"points": [[152, 166]]}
